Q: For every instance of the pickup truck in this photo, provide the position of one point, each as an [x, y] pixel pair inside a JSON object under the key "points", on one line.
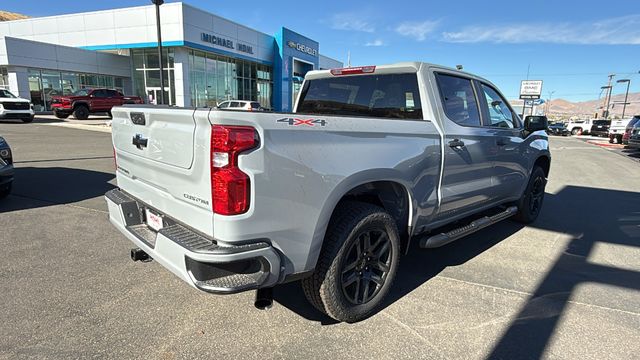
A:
{"points": [[373, 159], [85, 102], [617, 130]]}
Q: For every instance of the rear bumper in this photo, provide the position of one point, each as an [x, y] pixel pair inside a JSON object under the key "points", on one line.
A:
{"points": [[196, 259]]}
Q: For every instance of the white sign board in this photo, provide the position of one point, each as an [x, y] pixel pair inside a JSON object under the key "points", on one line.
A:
{"points": [[530, 89]]}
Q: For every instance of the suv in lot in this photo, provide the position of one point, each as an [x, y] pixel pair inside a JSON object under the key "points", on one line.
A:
{"points": [[6, 168], [372, 159], [85, 102], [629, 128], [240, 105], [13, 107], [600, 128], [634, 137]]}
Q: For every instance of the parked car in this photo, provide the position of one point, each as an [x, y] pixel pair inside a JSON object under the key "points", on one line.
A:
{"points": [[6, 168], [13, 107], [634, 138], [559, 129], [629, 129], [579, 127], [617, 129], [331, 194], [85, 102], [600, 128], [240, 105]]}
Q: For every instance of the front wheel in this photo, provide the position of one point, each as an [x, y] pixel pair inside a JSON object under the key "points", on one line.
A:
{"points": [[530, 203], [357, 263], [81, 112]]}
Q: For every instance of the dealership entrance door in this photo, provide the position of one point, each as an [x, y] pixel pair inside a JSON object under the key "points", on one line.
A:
{"points": [[153, 96]]}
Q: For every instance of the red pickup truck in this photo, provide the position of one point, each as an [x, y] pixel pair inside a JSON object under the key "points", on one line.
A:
{"points": [[84, 102]]}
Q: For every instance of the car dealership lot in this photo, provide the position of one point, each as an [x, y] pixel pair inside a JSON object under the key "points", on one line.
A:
{"points": [[566, 287]]}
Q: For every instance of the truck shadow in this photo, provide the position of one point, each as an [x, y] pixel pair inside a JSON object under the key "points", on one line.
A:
{"points": [[588, 215], [36, 187]]}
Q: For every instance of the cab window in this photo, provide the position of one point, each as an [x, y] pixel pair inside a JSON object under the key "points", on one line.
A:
{"points": [[458, 99], [499, 112]]}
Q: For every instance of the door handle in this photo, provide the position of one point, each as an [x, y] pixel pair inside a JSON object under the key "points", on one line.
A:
{"points": [[456, 144]]}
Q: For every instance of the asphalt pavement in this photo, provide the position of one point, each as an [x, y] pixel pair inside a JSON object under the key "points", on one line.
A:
{"points": [[566, 287]]}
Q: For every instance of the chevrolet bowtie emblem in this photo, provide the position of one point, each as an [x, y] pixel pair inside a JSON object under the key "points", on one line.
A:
{"points": [[140, 142]]}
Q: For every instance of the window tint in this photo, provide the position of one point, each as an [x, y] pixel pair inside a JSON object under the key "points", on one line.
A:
{"points": [[500, 115], [100, 93], [458, 100], [255, 105], [223, 105], [234, 104], [393, 96], [112, 93]]}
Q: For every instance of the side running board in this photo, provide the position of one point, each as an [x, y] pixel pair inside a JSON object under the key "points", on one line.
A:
{"points": [[455, 234]]}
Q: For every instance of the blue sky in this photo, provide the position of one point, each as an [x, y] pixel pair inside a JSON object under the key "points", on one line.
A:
{"points": [[571, 45]]}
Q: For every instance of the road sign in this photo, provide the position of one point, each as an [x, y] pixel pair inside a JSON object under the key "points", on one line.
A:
{"points": [[530, 89]]}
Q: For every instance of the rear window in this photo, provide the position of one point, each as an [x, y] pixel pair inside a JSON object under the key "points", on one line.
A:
{"points": [[601, 122], [393, 96], [255, 105]]}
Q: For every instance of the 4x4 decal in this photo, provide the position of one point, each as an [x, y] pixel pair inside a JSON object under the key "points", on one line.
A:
{"points": [[305, 122]]}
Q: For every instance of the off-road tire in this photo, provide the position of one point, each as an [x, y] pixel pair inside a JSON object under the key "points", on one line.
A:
{"points": [[528, 211], [81, 112], [349, 223]]}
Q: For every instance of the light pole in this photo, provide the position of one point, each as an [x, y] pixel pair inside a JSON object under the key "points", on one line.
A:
{"points": [[606, 110], [626, 95], [157, 3], [549, 102]]}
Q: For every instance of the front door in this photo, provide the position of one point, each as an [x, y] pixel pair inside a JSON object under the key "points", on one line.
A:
{"points": [[469, 149], [510, 175]]}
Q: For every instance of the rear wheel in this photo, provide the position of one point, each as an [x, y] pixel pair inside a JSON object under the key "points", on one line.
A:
{"points": [[357, 264], [81, 112], [530, 203], [576, 131]]}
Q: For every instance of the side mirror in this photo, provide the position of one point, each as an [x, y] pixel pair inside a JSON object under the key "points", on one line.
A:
{"points": [[535, 123]]}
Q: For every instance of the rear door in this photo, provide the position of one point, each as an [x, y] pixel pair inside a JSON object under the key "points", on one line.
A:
{"points": [[469, 148], [100, 100], [509, 175]]}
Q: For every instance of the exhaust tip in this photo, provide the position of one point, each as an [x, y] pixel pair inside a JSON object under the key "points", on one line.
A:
{"points": [[139, 255], [264, 299]]}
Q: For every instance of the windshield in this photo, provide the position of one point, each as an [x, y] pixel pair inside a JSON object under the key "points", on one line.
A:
{"points": [[6, 94], [393, 96], [601, 122], [82, 92]]}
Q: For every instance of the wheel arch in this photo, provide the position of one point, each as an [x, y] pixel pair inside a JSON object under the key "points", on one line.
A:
{"points": [[544, 161], [380, 191]]}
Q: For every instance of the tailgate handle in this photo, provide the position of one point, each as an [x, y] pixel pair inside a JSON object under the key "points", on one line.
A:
{"points": [[140, 142]]}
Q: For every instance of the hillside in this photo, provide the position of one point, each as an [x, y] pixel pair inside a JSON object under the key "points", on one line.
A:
{"points": [[564, 108], [8, 16]]}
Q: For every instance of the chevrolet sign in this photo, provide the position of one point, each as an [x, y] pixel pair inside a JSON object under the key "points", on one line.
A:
{"points": [[302, 48]]}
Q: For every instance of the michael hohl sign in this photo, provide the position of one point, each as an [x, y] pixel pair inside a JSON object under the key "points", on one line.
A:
{"points": [[216, 40]]}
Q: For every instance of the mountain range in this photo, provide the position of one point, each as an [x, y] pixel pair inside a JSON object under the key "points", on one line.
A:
{"points": [[565, 108], [8, 16]]}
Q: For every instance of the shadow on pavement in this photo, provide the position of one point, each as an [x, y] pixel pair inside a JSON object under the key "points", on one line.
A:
{"points": [[46, 186], [590, 215]]}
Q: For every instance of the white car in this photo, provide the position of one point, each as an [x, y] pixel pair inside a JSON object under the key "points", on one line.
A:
{"points": [[579, 127], [240, 105], [13, 107], [617, 129]]}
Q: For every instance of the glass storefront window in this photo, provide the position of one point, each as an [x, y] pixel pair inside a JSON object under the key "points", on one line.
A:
{"points": [[70, 83], [4, 78], [35, 90], [146, 79]]}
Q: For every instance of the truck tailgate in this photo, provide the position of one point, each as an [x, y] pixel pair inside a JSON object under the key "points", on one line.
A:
{"points": [[162, 158]]}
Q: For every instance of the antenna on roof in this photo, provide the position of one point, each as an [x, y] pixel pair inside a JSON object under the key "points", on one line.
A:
{"points": [[459, 67]]}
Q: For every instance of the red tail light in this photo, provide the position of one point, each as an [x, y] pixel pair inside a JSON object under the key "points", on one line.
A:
{"points": [[353, 70], [230, 187]]}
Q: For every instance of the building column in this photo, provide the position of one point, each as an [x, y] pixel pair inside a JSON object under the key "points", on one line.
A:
{"points": [[19, 81], [181, 77]]}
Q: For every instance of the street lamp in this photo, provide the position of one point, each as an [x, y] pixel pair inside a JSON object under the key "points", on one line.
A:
{"points": [[626, 95], [548, 105], [157, 3]]}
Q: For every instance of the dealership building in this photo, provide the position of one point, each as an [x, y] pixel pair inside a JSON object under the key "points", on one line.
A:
{"points": [[207, 59]]}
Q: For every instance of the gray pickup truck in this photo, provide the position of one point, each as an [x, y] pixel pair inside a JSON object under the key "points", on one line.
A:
{"points": [[373, 159]]}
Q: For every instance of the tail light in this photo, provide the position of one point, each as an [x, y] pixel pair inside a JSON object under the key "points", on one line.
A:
{"points": [[353, 70], [230, 187], [115, 158]]}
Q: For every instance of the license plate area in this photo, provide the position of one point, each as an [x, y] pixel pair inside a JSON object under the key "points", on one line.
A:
{"points": [[153, 220]]}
